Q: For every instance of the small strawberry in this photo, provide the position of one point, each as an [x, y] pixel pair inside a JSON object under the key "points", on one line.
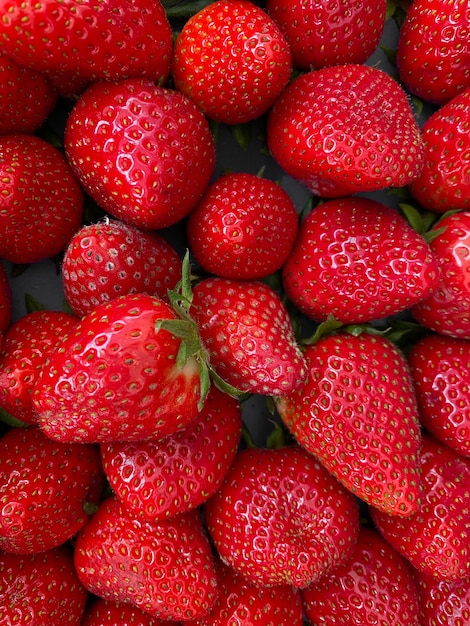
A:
{"points": [[356, 412], [45, 487], [435, 539], [344, 130], [358, 260], [433, 57], [279, 518], [232, 59], [244, 227], [41, 589], [109, 258], [144, 153], [376, 580], [442, 602], [100, 612], [41, 205], [164, 568], [322, 33]]}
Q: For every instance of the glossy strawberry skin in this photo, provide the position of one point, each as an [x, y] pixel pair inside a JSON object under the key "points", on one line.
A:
{"points": [[272, 538], [232, 59], [100, 612], [358, 260], [441, 601], [356, 412], [115, 377], [243, 228], [145, 154], [344, 130]]}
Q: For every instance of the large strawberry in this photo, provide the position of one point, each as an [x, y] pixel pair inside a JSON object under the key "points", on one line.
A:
{"points": [[358, 260], [101, 612], [144, 153], [232, 59], [442, 602], [356, 412], [279, 518], [345, 129]]}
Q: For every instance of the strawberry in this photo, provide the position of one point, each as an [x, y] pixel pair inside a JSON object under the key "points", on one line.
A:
{"points": [[356, 412], [164, 568], [232, 59], [279, 518], [376, 580], [248, 334], [322, 34], [442, 601], [44, 489], [41, 589], [41, 202], [102, 612], [109, 258], [433, 58], [440, 369], [358, 260], [28, 97], [26, 346], [443, 184], [344, 130], [144, 153], [435, 538], [6, 301], [80, 42], [160, 479], [243, 228]]}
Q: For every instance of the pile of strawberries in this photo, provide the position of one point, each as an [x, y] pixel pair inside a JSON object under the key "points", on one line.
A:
{"points": [[131, 488]]}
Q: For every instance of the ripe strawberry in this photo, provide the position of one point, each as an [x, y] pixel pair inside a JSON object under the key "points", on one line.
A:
{"points": [[435, 538], [41, 589], [356, 412], [433, 58], [447, 309], [232, 59], [26, 346], [358, 260], [44, 487], [376, 580], [443, 184], [279, 518], [248, 334], [344, 130], [144, 153], [164, 568], [441, 376], [27, 99], [6, 301], [322, 34], [443, 602], [41, 204], [109, 258], [102, 612], [160, 479], [80, 42]]}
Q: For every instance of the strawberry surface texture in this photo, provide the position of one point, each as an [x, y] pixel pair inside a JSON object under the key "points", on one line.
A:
{"points": [[234, 312]]}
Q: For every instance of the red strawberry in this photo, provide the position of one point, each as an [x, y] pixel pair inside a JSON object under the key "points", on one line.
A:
{"points": [[159, 479], [26, 346], [41, 202], [41, 589], [232, 59], [28, 97], [248, 334], [358, 260], [110, 258], [321, 34], [102, 612], [435, 539], [441, 376], [433, 57], [443, 602], [376, 580], [81, 42], [356, 412], [44, 489], [345, 129], [144, 153], [280, 518], [443, 184], [6, 301], [164, 568]]}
